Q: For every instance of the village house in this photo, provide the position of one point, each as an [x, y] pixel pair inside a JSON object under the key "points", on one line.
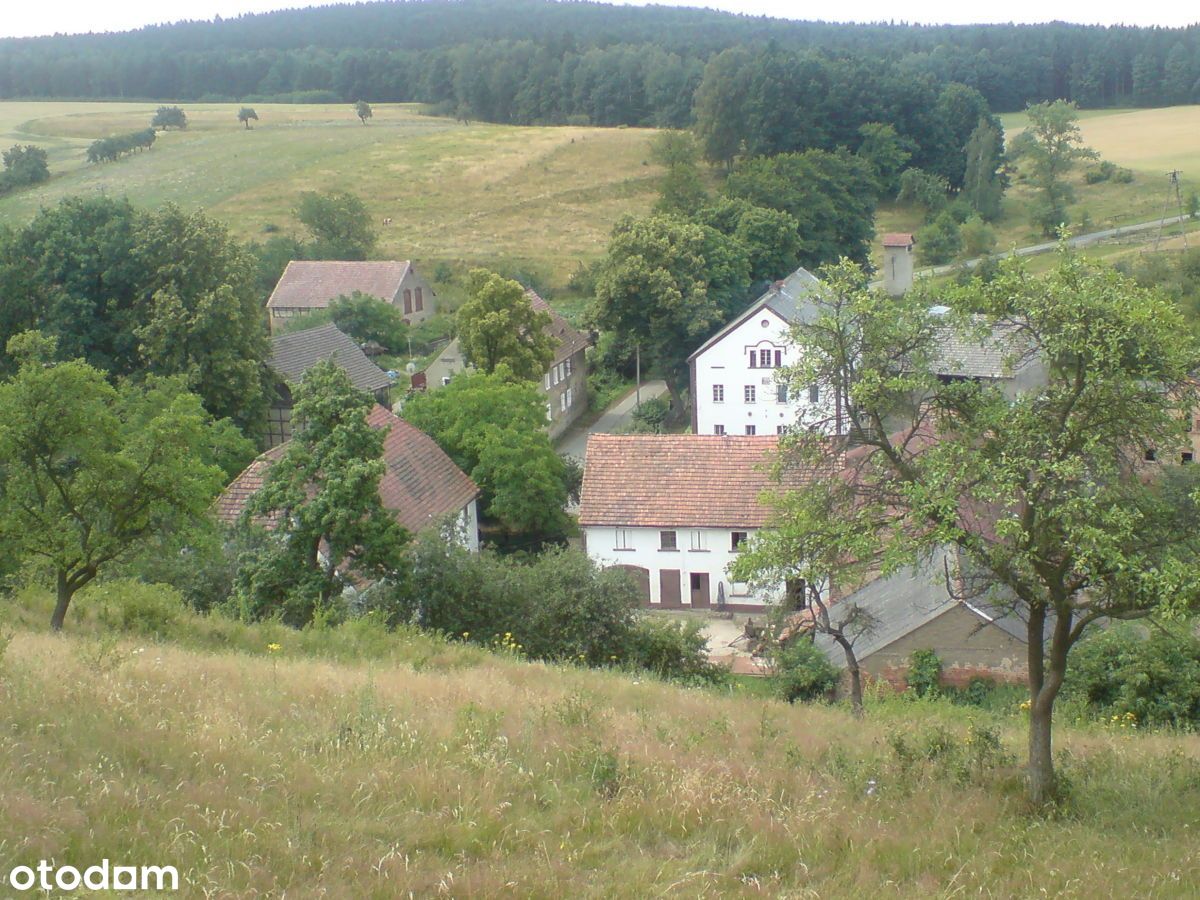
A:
{"points": [[675, 510], [310, 285], [564, 384], [292, 355], [420, 486]]}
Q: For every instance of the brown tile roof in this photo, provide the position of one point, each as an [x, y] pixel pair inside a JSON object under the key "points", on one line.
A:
{"points": [[294, 354], [898, 239], [677, 480], [311, 284], [420, 484], [569, 340]]}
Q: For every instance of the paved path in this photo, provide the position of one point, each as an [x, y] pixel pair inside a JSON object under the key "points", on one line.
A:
{"points": [[574, 442], [1082, 240]]}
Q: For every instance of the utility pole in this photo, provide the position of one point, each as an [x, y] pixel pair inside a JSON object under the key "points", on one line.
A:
{"points": [[637, 391], [1173, 188]]}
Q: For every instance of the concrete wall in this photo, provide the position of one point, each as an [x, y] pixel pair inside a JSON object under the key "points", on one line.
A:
{"points": [[699, 550]]}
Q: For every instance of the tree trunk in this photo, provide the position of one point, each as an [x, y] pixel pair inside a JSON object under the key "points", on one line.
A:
{"points": [[856, 700], [1041, 758], [1046, 674], [65, 592]]}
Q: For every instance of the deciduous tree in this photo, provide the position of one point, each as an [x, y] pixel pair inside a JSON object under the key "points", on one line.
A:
{"points": [[497, 325], [362, 109], [1055, 144], [245, 114], [340, 225]]}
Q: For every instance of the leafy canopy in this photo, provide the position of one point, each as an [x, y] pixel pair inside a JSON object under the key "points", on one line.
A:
{"points": [[340, 225], [497, 325]]}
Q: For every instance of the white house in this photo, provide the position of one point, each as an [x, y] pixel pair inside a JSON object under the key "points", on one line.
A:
{"points": [[675, 510], [733, 374]]}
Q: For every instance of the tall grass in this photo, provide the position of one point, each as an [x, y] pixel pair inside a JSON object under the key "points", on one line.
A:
{"points": [[352, 762]]}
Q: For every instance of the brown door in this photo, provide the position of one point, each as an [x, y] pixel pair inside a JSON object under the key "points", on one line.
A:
{"points": [[700, 596], [668, 589], [642, 577]]}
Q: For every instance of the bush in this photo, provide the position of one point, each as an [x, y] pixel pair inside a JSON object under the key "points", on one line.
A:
{"points": [[133, 606], [924, 676], [939, 241], [1122, 671], [801, 671], [673, 650], [978, 237], [650, 416]]}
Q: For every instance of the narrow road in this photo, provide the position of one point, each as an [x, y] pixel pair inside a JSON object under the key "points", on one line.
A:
{"points": [[574, 442], [1082, 240]]}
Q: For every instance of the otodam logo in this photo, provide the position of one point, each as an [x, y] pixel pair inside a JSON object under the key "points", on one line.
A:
{"points": [[45, 876]]}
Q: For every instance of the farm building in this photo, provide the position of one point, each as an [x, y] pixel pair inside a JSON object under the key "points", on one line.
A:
{"points": [[310, 285]]}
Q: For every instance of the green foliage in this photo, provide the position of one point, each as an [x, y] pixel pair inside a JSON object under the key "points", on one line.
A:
{"points": [[984, 181], [929, 190], [362, 109], [323, 494], [1155, 677], [978, 237], [340, 225], [133, 292], [245, 114], [498, 325], [939, 241], [770, 237], [114, 147], [801, 671], [90, 471], [1054, 147], [366, 318], [829, 194], [1107, 171], [650, 417], [1192, 205], [672, 649], [133, 606], [682, 189], [166, 117], [924, 675], [493, 427], [23, 166], [887, 153]]}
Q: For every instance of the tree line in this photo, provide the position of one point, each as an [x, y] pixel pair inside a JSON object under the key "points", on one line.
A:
{"points": [[532, 61]]}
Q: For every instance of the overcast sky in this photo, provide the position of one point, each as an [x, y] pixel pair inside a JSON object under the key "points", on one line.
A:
{"points": [[22, 18]]}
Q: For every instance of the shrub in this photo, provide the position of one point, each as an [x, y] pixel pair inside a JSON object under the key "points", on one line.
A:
{"points": [[1155, 678], [801, 671], [134, 606], [939, 241], [978, 237], [650, 416], [673, 650], [924, 675]]}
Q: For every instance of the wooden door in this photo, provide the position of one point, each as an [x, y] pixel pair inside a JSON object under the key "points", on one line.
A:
{"points": [[642, 577], [700, 595], [669, 589]]}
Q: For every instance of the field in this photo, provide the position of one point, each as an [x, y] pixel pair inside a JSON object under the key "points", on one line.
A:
{"points": [[540, 199], [354, 763]]}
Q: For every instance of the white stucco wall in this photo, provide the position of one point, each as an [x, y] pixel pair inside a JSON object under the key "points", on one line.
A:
{"points": [[713, 558], [727, 364], [468, 526]]}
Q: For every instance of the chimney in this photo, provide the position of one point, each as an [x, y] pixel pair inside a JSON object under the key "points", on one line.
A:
{"points": [[897, 263]]}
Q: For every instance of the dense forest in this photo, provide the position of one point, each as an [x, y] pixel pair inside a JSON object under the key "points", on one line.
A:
{"points": [[536, 61]]}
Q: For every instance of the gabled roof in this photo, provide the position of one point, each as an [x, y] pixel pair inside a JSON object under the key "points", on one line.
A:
{"points": [[420, 485], [898, 239], [294, 354], [678, 480], [987, 357], [568, 340], [312, 284], [789, 299]]}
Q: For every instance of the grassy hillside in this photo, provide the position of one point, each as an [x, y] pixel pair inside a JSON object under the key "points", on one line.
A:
{"points": [[540, 198], [352, 763]]}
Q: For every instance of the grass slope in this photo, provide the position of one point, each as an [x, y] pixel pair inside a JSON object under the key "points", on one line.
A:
{"points": [[540, 198], [360, 764]]}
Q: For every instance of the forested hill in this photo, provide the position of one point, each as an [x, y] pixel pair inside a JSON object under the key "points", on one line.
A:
{"points": [[527, 61]]}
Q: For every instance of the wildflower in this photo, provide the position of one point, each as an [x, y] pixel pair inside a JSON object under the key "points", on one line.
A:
{"points": [[274, 648], [466, 634]]}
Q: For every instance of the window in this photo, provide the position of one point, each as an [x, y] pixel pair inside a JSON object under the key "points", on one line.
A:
{"points": [[736, 540], [753, 359], [751, 430], [547, 381], [549, 412], [570, 395], [554, 372], [566, 368], [778, 358], [814, 394], [420, 302], [739, 588], [781, 429], [623, 540], [407, 300], [699, 540], [718, 429], [781, 393], [718, 393], [795, 594], [666, 540], [749, 393], [764, 359], [445, 380], [562, 401], [1151, 455], [1186, 457]]}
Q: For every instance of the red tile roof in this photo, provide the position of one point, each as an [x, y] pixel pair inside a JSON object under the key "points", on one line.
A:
{"points": [[678, 480], [568, 340], [898, 239], [420, 484], [312, 284]]}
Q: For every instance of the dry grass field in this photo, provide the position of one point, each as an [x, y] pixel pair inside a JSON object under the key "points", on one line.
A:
{"points": [[543, 199], [353, 763]]}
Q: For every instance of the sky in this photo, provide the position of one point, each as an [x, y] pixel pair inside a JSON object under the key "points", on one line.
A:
{"points": [[22, 19]]}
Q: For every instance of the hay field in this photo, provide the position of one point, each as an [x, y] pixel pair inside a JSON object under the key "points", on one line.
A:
{"points": [[541, 198]]}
